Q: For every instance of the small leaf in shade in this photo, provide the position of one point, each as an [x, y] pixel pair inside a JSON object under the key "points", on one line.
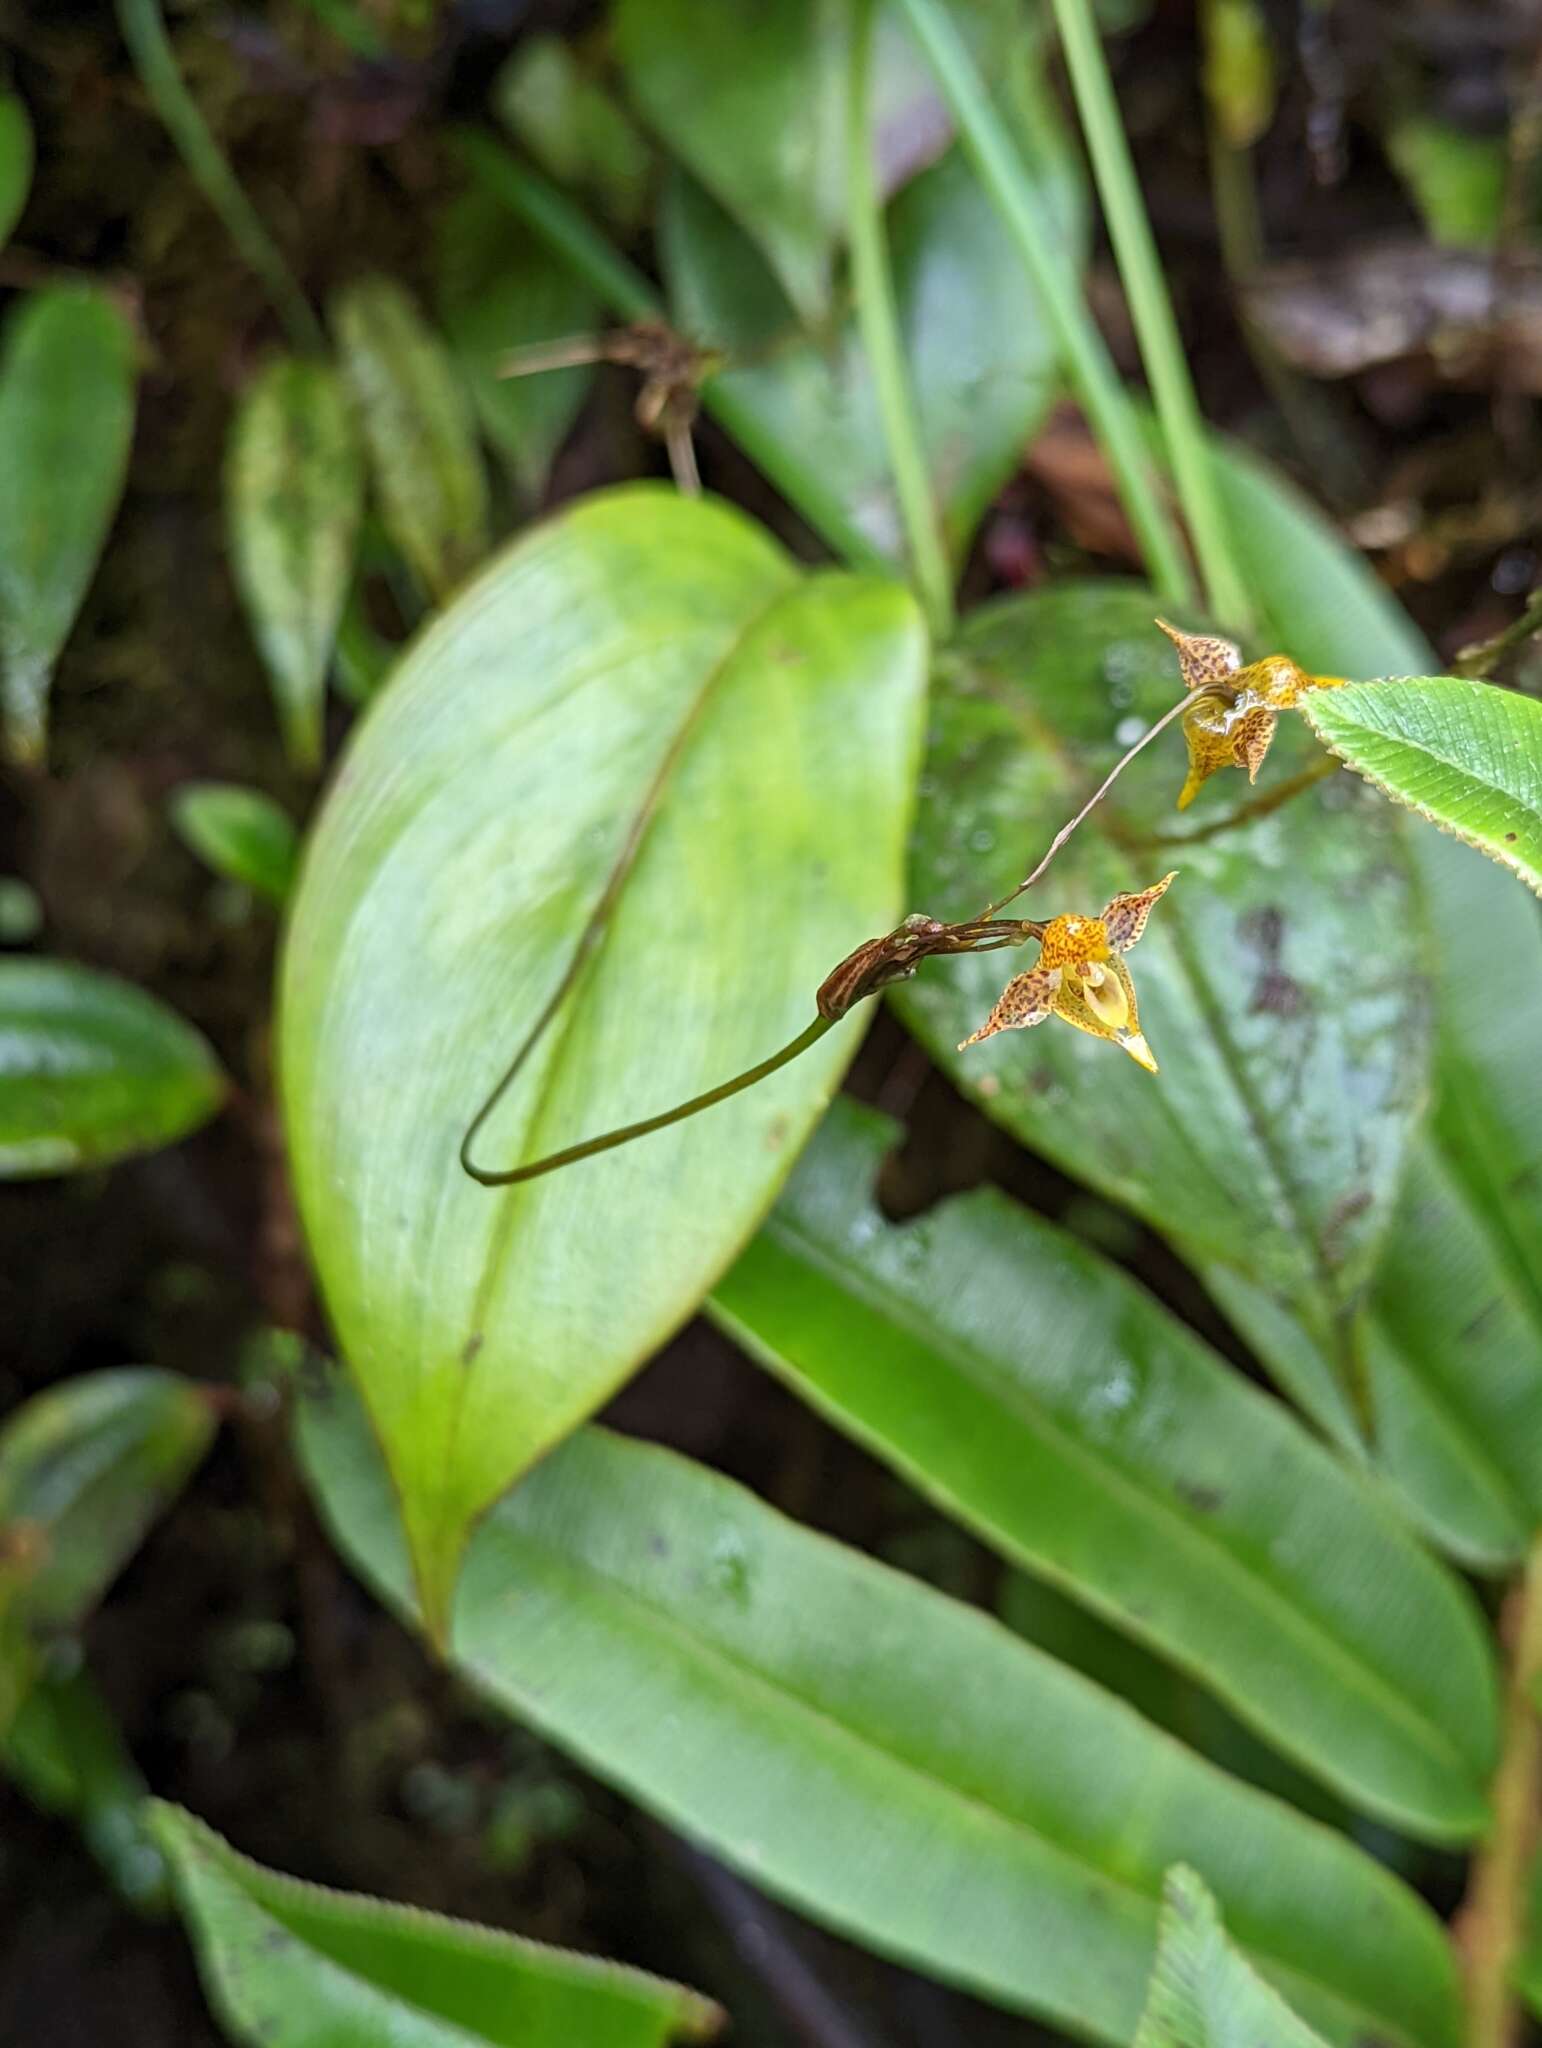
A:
{"points": [[66, 418], [85, 1468], [418, 423], [294, 495], [780, 1698], [501, 289], [1467, 756], [93, 1069], [982, 360], [21, 913], [15, 161], [66, 1753], [241, 834], [635, 720], [1034, 1392], [287, 1964], [553, 107], [1204, 1992]]}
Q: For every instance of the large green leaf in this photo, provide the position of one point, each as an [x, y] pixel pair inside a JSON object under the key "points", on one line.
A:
{"points": [[753, 101], [85, 1468], [886, 1759], [501, 289], [92, 1069], [66, 418], [294, 499], [419, 429], [641, 721], [1029, 1388], [1259, 992], [1204, 1992], [293, 1965], [1467, 756], [981, 359], [15, 161], [1454, 1325]]}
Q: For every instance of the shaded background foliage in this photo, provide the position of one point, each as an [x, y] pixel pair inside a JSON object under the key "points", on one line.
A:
{"points": [[250, 1676]]}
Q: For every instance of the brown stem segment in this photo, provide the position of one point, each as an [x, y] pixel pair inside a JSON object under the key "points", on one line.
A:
{"points": [[1491, 1926]]}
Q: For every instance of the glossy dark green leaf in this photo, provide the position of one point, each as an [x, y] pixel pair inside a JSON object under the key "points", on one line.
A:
{"points": [[557, 110], [15, 161], [294, 499], [85, 1468], [753, 101], [501, 289], [239, 833], [643, 713], [292, 1965], [66, 1752], [420, 431], [781, 1698], [1455, 1322], [92, 1069], [1466, 756], [1030, 1389], [1204, 1992], [66, 418], [981, 358], [1255, 990]]}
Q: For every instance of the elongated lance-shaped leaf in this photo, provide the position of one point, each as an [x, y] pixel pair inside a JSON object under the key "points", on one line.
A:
{"points": [[85, 1468], [15, 161], [294, 496], [66, 417], [1033, 1391], [93, 1069], [645, 770], [421, 435], [1467, 756], [293, 1965], [242, 834], [1204, 1992], [781, 1698]]}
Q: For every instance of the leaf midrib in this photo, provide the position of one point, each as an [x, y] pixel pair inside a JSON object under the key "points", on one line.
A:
{"points": [[1437, 1745]]}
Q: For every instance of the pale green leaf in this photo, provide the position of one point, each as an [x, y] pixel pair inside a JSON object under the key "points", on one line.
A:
{"points": [[554, 107], [1204, 1992], [419, 429], [886, 1759], [1467, 756], [66, 418], [241, 834], [644, 722], [294, 496], [1030, 1389], [93, 1069], [293, 1965]]}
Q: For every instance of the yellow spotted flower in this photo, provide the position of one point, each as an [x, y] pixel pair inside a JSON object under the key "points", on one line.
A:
{"points": [[1081, 976], [1233, 721]]}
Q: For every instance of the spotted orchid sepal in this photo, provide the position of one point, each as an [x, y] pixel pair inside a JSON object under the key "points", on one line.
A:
{"points": [[1236, 709], [1080, 976]]}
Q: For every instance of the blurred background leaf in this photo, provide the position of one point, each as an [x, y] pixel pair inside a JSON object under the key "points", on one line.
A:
{"points": [[16, 151], [93, 1069], [240, 834], [66, 418]]}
